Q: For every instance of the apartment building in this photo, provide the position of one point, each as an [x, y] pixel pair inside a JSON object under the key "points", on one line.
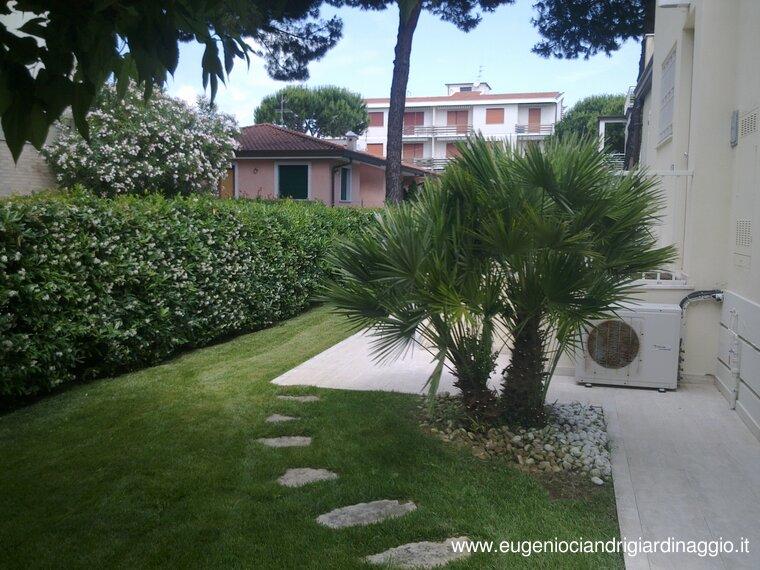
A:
{"points": [[695, 123], [433, 125]]}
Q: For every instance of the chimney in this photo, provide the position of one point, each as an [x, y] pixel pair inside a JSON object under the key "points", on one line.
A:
{"points": [[351, 138]]}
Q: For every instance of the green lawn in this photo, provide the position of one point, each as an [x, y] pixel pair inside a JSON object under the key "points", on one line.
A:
{"points": [[161, 468]]}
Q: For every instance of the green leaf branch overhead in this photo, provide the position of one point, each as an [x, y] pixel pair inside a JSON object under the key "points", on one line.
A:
{"points": [[58, 54]]}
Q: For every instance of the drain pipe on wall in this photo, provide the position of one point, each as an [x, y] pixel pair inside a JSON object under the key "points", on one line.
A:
{"points": [[704, 295]]}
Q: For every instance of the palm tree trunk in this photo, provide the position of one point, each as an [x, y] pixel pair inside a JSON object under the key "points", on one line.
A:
{"points": [[474, 360], [408, 15], [522, 397]]}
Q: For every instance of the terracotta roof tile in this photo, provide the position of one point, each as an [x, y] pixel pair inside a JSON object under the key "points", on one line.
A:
{"points": [[268, 139]]}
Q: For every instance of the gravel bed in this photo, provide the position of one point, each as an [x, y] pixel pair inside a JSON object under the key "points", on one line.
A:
{"points": [[574, 439]]}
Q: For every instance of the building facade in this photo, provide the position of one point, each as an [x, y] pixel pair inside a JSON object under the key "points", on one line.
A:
{"points": [[274, 162], [433, 125], [697, 113]]}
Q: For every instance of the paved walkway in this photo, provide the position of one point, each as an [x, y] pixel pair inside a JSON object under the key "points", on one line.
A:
{"points": [[684, 465]]}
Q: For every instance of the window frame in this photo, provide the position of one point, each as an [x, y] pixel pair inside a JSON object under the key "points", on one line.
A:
{"points": [[499, 109], [417, 146], [349, 184], [666, 100], [277, 166], [370, 114]]}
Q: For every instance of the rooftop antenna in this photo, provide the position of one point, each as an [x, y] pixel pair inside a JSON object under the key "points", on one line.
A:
{"points": [[480, 73]]}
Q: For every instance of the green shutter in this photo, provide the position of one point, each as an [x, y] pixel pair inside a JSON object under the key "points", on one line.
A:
{"points": [[293, 181]]}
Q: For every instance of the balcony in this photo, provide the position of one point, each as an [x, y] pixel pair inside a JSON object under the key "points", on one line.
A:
{"points": [[431, 163], [630, 99], [443, 131], [616, 160], [534, 130]]}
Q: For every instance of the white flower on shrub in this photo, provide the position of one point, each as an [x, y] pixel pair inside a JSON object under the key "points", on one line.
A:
{"points": [[161, 146]]}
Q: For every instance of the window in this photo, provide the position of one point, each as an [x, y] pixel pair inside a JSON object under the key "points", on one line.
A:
{"points": [[459, 120], [451, 150], [534, 120], [375, 149], [376, 119], [667, 96], [413, 119], [345, 184], [465, 89], [495, 116], [411, 151], [293, 181]]}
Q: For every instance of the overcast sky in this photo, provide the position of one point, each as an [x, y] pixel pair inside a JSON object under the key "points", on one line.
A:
{"points": [[363, 62]]}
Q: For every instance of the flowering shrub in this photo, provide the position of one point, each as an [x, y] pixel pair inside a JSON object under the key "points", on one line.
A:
{"points": [[161, 145], [91, 286]]}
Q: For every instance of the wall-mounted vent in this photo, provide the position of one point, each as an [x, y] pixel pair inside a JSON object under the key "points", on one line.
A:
{"points": [[743, 233], [748, 123]]}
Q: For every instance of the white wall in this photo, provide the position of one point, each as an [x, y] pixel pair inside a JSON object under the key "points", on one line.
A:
{"points": [[717, 45], [30, 174]]}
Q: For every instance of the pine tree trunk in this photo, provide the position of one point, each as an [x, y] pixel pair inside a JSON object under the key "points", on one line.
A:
{"points": [[522, 397], [407, 23]]}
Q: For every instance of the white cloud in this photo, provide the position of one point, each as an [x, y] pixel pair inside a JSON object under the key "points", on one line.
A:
{"points": [[187, 93]]}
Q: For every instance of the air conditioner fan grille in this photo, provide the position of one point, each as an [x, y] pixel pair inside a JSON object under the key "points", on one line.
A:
{"points": [[613, 344]]}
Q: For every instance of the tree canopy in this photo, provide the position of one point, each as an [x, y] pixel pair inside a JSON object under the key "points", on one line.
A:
{"points": [[573, 28], [326, 111], [582, 120], [63, 52]]}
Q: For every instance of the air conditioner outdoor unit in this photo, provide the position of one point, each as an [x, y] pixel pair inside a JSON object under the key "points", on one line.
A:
{"points": [[637, 347]]}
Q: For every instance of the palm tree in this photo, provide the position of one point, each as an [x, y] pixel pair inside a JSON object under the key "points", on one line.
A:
{"points": [[502, 248], [569, 237], [419, 276]]}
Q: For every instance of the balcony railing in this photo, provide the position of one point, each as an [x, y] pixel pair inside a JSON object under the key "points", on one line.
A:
{"points": [[534, 129], [616, 160], [437, 131], [431, 163], [630, 99]]}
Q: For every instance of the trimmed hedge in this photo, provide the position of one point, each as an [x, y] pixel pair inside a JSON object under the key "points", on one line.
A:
{"points": [[92, 286]]}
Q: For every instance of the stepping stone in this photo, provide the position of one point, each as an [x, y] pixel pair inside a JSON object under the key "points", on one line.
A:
{"points": [[420, 554], [305, 475], [277, 418], [285, 441], [365, 513], [300, 398]]}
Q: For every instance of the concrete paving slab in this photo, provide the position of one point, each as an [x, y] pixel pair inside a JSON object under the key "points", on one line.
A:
{"points": [[363, 514], [301, 476], [420, 554], [285, 441]]}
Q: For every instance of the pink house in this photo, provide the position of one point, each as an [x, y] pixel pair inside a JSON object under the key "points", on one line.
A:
{"points": [[274, 162]]}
